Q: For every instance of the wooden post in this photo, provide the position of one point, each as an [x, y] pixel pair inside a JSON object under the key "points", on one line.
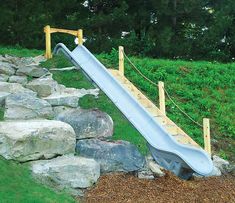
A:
{"points": [[80, 36], [121, 60], [207, 136], [161, 93], [47, 31]]}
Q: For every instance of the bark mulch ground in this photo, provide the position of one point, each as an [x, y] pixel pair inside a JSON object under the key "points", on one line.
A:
{"points": [[114, 188]]}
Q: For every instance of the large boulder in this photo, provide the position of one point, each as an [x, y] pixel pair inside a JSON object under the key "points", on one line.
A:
{"points": [[88, 123], [7, 68], [25, 106], [35, 139], [68, 171], [32, 70], [221, 164], [18, 79], [43, 86], [15, 88], [112, 156]]}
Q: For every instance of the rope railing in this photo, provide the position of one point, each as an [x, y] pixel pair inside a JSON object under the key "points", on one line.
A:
{"points": [[167, 93]]}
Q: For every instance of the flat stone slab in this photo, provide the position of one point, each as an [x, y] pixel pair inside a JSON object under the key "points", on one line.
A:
{"points": [[7, 68], [43, 86], [68, 171], [15, 88], [62, 100], [18, 79], [35, 139], [79, 92], [31, 70], [24, 106]]}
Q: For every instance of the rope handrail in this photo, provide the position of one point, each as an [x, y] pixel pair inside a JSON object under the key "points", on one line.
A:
{"points": [[167, 93]]}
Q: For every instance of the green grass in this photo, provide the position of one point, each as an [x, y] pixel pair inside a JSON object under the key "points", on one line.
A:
{"points": [[17, 185], [20, 52], [1, 113]]}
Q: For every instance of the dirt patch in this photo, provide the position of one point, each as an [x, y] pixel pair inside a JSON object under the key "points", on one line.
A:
{"points": [[128, 188]]}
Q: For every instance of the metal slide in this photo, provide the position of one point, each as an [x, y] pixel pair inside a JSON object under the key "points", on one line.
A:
{"points": [[181, 159]]}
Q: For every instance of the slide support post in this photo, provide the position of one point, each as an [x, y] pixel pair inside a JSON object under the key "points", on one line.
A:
{"points": [[207, 136], [121, 60], [162, 97], [80, 36], [47, 31]]}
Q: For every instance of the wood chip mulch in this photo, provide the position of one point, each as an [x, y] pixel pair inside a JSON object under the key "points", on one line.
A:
{"points": [[113, 188]]}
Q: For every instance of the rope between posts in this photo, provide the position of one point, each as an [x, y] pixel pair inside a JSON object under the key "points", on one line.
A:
{"points": [[183, 112], [167, 93], [133, 65]]}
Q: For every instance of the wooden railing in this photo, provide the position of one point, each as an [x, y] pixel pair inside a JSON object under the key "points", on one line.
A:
{"points": [[162, 103], [48, 31]]}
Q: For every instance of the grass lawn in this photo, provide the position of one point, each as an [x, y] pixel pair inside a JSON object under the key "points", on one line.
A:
{"points": [[17, 185]]}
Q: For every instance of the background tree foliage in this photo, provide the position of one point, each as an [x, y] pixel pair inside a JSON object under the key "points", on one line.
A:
{"points": [[192, 29]]}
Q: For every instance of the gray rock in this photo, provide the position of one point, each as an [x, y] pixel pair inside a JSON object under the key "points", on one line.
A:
{"points": [[36, 139], [2, 58], [32, 70], [13, 60], [25, 106], [18, 79], [156, 169], [60, 109], [3, 96], [215, 172], [145, 174], [88, 123], [43, 86], [152, 165], [79, 92], [62, 100], [3, 77], [112, 156], [68, 171], [25, 61], [38, 59], [7, 68], [221, 164], [15, 88]]}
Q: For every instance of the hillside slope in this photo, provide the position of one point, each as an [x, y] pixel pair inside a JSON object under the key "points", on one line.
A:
{"points": [[202, 89]]}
